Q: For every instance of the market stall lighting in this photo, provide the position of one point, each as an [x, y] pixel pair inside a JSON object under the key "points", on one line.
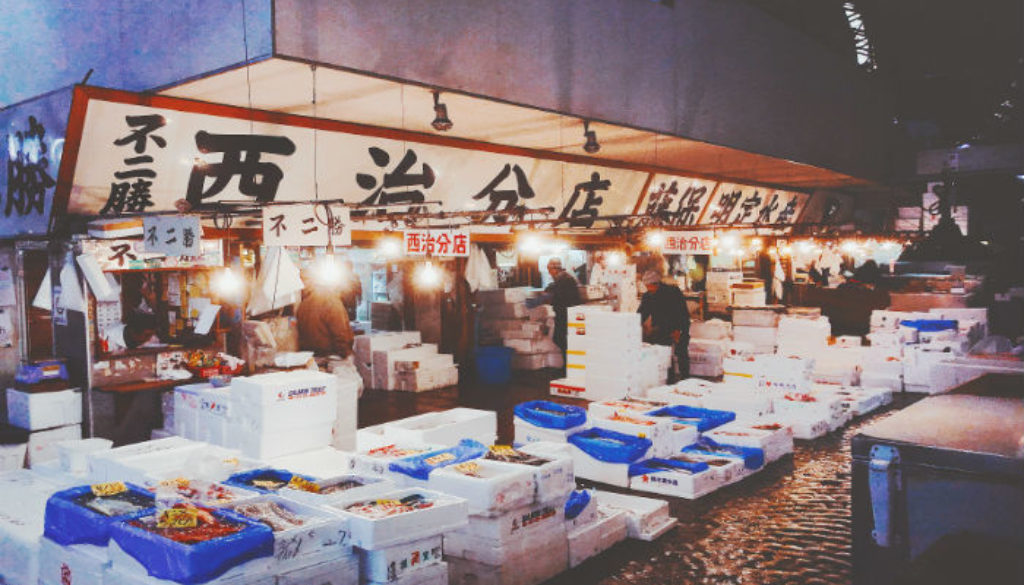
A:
{"points": [[390, 247], [227, 283], [428, 276], [441, 123], [615, 258], [848, 246], [328, 271], [728, 241], [756, 244], [590, 146], [655, 239]]}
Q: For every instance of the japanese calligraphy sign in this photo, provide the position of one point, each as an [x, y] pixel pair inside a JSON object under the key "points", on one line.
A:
{"points": [[139, 154], [443, 243], [678, 242], [172, 235], [677, 200], [749, 205], [135, 255], [306, 225]]}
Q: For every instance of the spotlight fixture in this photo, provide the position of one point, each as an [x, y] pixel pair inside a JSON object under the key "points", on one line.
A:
{"points": [[442, 122], [591, 144]]}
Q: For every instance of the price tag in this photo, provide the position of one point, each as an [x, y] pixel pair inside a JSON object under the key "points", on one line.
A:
{"points": [[303, 484], [468, 468], [178, 518], [108, 489], [504, 450], [439, 458], [232, 461]]}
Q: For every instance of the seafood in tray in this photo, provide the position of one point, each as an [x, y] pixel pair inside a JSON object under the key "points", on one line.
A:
{"points": [[120, 504], [271, 513], [375, 509], [188, 524]]}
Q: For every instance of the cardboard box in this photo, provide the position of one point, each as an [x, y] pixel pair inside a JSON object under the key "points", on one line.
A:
{"points": [[44, 410]]}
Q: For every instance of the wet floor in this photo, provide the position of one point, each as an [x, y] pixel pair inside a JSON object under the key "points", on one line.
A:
{"points": [[788, 524]]}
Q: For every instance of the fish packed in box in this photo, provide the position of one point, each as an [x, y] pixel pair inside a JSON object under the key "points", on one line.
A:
{"points": [[198, 491], [86, 514], [272, 480], [188, 524], [271, 513], [386, 508], [122, 503]]}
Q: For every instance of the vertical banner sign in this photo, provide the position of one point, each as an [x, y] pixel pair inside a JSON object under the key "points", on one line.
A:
{"points": [[312, 224], [443, 243], [172, 235], [702, 242]]}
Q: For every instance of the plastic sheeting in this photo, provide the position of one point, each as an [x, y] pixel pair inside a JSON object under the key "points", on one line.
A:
{"points": [[610, 446], [551, 415], [420, 466], [479, 273], [753, 458], [68, 522], [707, 419], [577, 503], [655, 465]]}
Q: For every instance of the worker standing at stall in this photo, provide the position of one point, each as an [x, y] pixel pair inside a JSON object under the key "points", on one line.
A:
{"points": [[666, 321], [562, 293], [323, 321]]}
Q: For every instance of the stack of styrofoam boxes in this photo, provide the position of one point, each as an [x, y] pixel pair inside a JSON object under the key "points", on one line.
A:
{"points": [[646, 518], [858, 400], [838, 365], [604, 455], [364, 347], [505, 319], [741, 398], [282, 412], [719, 288], [23, 496], [811, 415], [749, 292], [727, 463], [522, 543], [50, 417], [310, 542], [883, 360], [591, 530], [774, 438], [436, 368], [578, 338], [972, 322], [167, 410], [555, 425], [612, 343], [661, 432], [800, 336], [404, 547], [709, 344], [150, 462], [758, 327], [652, 367]]}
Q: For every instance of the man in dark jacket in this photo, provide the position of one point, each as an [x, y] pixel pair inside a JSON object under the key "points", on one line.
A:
{"points": [[323, 321], [666, 320], [562, 293]]}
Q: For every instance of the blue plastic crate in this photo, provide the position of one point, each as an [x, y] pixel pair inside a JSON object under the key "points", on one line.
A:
{"points": [[69, 522], [244, 479]]}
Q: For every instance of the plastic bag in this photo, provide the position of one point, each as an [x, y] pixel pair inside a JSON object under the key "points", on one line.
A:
{"points": [[706, 419], [753, 458], [420, 466], [610, 446], [655, 465], [577, 502], [551, 415], [69, 521]]}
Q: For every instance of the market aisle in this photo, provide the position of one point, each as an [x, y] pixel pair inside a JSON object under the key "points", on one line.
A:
{"points": [[789, 524]]}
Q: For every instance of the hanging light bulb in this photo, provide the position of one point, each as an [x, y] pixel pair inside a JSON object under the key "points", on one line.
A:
{"points": [[227, 283], [615, 258], [530, 244], [590, 146], [441, 123], [428, 276], [655, 239], [328, 271], [389, 247]]}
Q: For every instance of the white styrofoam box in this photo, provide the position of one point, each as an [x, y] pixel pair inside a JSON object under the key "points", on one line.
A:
{"points": [[74, 455], [554, 360], [423, 379], [436, 574], [741, 371], [394, 562], [322, 534], [434, 361], [23, 496], [13, 456], [126, 570], [323, 463], [884, 320], [767, 434], [838, 421], [371, 530], [587, 467], [658, 430], [889, 339], [280, 401], [213, 413], [755, 316], [568, 387], [211, 463], [849, 341], [505, 311], [198, 491], [263, 445], [462, 545], [541, 345], [341, 489], [739, 349], [682, 434], [371, 437], [746, 403], [608, 388], [375, 461], [706, 357], [593, 539], [805, 426], [821, 404], [186, 411], [917, 368], [674, 481], [951, 373], [776, 380], [343, 571], [646, 518], [521, 570], [838, 366], [521, 523], [748, 298], [44, 410], [712, 329], [163, 464], [489, 487], [384, 374], [365, 345], [101, 461], [83, 564], [552, 470], [606, 408], [588, 515], [725, 470], [525, 432], [446, 427], [859, 401], [796, 335], [885, 361], [42, 445]]}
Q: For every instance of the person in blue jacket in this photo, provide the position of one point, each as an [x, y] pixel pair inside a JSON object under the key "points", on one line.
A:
{"points": [[666, 320]]}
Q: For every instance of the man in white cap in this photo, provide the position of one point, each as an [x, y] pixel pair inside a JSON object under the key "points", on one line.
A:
{"points": [[666, 320], [562, 293]]}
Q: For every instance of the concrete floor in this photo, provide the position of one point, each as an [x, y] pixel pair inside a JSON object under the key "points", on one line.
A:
{"points": [[788, 524]]}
